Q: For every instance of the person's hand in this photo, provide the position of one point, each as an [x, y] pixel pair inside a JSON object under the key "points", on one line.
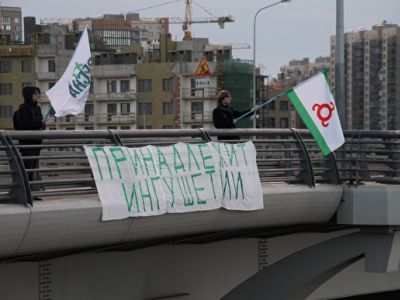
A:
{"points": [[255, 108], [44, 121], [234, 121]]}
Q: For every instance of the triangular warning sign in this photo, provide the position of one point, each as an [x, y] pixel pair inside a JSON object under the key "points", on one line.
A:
{"points": [[203, 69]]}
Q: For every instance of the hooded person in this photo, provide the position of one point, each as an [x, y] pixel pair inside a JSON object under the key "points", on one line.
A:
{"points": [[29, 117], [224, 115]]}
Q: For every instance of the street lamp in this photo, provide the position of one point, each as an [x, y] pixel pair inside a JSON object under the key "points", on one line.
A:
{"points": [[254, 51]]}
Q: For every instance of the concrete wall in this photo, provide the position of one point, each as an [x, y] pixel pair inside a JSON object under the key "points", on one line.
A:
{"points": [[205, 271]]}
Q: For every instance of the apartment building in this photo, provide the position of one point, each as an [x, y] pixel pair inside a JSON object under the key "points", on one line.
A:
{"points": [[155, 96], [17, 70], [299, 70], [372, 77], [10, 24]]}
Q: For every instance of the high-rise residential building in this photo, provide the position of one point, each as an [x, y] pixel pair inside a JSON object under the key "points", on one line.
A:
{"points": [[299, 70], [17, 70], [10, 24], [372, 77]]}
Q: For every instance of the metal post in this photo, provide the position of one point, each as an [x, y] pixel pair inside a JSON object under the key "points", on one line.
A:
{"points": [[339, 64], [254, 53]]}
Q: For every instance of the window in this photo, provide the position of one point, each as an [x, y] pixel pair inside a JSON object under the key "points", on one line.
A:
{"points": [[168, 85], [125, 85], [125, 108], [112, 127], [5, 111], [168, 108], [5, 66], [197, 107], [89, 109], [270, 122], [270, 106], [125, 127], [168, 127], [112, 108], [145, 108], [51, 84], [284, 123], [51, 65], [26, 66], [283, 106], [5, 89], [89, 127], [69, 128], [111, 86], [145, 85]]}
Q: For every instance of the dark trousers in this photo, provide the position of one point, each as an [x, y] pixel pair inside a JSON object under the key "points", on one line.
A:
{"points": [[30, 163]]}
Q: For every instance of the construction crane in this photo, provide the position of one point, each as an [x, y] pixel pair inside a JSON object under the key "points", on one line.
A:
{"points": [[189, 20]]}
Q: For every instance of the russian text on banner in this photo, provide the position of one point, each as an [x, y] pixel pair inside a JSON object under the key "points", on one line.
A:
{"points": [[181, 178]]}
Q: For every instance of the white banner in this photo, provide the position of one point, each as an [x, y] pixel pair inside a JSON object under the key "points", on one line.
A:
{"points": [[180, 178], [68, 96]]}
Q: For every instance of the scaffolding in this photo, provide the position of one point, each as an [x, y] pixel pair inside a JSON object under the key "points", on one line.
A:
{"points": [[238, 80]]}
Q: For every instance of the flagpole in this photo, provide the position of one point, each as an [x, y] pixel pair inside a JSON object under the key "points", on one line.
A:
{"points": [[264, 104]]}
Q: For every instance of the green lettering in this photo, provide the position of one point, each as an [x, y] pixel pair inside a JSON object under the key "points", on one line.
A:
{"points": [[197, 189], [118, 160], [191, 157], [205, 157], [147, 195], [171, 190], [225, 184], [236, 185], [154, 189], [133, 195], [177, 156], [211, 172], [231, 154], [147, 159], [162, 162], [101, 149]]}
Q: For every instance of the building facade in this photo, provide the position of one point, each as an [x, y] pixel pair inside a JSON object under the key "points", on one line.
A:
{"points": [[17, 70], [10, 24], [372, 77]]}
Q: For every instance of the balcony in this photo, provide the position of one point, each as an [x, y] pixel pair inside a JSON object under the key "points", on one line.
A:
{"points": [[46, 75], [191, 94], [112, 96], [115, 118], [91, 120], [110, 71], [197, 117]]}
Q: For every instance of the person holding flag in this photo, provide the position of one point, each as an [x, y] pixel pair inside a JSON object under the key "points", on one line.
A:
{"points": [[68, 96], [224, 116]]}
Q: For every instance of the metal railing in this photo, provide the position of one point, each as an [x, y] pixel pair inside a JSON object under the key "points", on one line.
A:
{"points": [[283, 155]]}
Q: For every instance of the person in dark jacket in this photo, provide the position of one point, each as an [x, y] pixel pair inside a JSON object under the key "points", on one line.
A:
{"points": [[224, 115], [29, 117]]}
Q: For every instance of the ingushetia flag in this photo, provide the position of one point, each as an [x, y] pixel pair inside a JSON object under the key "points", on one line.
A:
{"points": [[314, 102], [68, 96]]}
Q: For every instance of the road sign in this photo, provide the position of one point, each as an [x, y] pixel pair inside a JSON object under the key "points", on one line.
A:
{"points": [[202, 82], [203, 69]]}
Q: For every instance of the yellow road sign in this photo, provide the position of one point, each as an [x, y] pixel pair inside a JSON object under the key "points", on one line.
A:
{"points": [[203, 69]]}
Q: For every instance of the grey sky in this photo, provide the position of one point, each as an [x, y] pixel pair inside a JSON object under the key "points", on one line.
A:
{"points": [[294, 30]]}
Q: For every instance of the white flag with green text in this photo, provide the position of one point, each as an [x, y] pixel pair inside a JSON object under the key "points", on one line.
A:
{"points": [[314, 103], [68, 96]]}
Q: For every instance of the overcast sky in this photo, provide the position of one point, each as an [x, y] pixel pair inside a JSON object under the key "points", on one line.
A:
{"points": [[294, 30]]}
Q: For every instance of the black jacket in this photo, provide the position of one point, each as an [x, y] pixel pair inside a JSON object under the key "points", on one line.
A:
{"points": [[223, 117], [29, 115]]}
